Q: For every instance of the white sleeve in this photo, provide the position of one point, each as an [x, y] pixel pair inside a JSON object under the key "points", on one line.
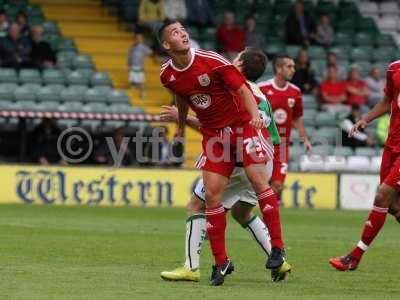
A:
{"points": [[346, 126]]}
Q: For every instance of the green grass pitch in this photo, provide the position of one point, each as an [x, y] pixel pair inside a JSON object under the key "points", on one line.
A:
{"points": [[117, 253]]}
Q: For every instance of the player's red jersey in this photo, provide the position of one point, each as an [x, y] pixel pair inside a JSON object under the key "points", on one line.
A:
{"points": [[392, 90], [286, 103], [209, 84]]}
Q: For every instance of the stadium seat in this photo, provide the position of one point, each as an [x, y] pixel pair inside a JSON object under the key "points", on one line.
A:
{"points": [[47, 94], [51, 27], [368, 8], [8, 75], [358, 163], [71, 94], [367, 25], [100, 78], [71, 107], [363, 39], [52, 76], [67, 44], [384, 52], [364, 67], [313, 163], [82, 61], [56, 88], [342, 38], [388, 23], [29, 105], [96, 107], [275, 48], [325, 135], [24, 93], [77, 77], [317, 52], [385, 40], [6, 105], [48, 106], [375, 163], [361, 54], [309, 117], [121, 108], [295, 152], [322, 150], [29, 76], [389, 8], [91, 124], [325, 119], [335, 163], [118, 96], [343, 151], [365, 151], [7, 91], [292, 50], [67, 123], [341, 52], [95, 95], [309, 102]]}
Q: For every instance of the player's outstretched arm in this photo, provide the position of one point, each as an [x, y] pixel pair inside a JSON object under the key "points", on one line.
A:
{"points": [[251, 106], [170, 114], [183, 110], [378, 110]]}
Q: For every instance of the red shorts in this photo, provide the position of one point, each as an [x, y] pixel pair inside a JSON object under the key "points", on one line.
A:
{"points": [[238, 144], [280, 165], [390, 168]]}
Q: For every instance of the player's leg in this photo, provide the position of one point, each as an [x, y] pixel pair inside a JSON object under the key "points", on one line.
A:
{"points": [[195, 235], [394, 209]]}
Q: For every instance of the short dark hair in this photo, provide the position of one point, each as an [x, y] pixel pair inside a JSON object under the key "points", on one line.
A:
{"points": [[254, 62], [278, 60], [161, 30]]}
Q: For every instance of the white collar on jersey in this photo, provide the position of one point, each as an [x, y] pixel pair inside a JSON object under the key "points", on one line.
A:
{"points": [[192, 51], [277, 87]]}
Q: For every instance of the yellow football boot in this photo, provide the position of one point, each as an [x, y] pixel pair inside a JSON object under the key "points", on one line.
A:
{"points": [[181, 274]]}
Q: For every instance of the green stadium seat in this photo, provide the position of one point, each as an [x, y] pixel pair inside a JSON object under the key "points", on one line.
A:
{"points": [[29, 105], [96, 107], [323, 150], [29, 76], [292, 50], [275, 48], [325, 135], [82, 61], [385, 40], [67, 44], [53, 40], [342, 52], [343, 151], [121, 108], [309, 117], [361, 54], [64, 59], [33, 11], [367, 25], [8, 75], [325, 119], [51, 27], [113, 124], [67, 123], [34, 87], [317, 52], [209, 34], [91, 124], [310, 130], [343, 38], [95, 95], [46, 94], [295, 152], [24, 93], [365, 67], [71, 94], [209, 45], [77, 77], [193, 33], [118, 96], [364, 39], [52, 76], [309, 102], [6, 105], [137, 110], [48, 106], [56, 88], [364, 151], [7, 91], [71, 107], [384, 52], [100, 78]]}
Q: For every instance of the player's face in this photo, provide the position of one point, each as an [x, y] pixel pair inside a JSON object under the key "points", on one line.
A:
{"points": [[176, 38], [287, 70]]}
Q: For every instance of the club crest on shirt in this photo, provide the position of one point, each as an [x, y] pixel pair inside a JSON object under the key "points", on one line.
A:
{"points": [[204, 80], [280, 116], [291, 102], [201, 101]]}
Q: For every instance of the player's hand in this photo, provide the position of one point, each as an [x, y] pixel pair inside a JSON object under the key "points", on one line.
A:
{"points": [[257, 122], [361, 124], [307, 145], [169, 113]]}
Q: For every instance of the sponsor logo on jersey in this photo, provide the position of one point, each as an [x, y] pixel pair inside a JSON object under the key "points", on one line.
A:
{"points": [[201, 101], [280, 116], [270, 92], [204, 80], [291, 102]]}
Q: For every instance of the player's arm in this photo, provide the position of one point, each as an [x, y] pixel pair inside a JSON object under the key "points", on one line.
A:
{"points": [[251, 106], [378, 110], [183, 110], [298, 124], [170, 114]]}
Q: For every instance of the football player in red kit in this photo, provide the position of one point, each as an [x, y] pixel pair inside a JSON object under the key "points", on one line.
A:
{"points": [[387, 196], [217, 92], [287, 106]]}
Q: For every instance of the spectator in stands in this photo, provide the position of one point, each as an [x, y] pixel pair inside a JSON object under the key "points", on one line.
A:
{"points": [[175, 9], [199, 13], [333, 93], [375, 84], [14, 49], [136, 55], [44, 143], [382, 129], [325, 34], [151, 14], [253, 38], [331, 60], [104, 154], [3, 23], [22, 21], [357, 90], [304, 76], [360, 138], [42, 55], [230, 37], [299, 26]]}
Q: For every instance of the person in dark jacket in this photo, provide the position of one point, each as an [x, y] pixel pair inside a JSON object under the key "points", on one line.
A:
{"points": [[300, 27], [304, 76], [42, 55], [15, 50]]}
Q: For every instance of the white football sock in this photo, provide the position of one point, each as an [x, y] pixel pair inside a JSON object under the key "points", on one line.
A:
{"points": [[259, 232], [195, 234]]}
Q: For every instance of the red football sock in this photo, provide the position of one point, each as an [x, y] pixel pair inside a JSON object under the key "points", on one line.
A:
{"points": [[216, 224], [372, 226], [269, 206]]}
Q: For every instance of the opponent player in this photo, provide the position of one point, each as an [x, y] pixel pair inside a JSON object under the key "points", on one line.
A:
{"points": [[287, 105], [231, 124], [388, 191], [239, 196]]}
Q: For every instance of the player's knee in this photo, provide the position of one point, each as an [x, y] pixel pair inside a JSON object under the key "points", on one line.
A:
{"points": [[241, 217], [194, 206], [277, 187], [383, 197]]}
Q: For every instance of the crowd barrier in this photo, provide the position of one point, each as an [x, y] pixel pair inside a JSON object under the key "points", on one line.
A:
{"points": [[101, 186]]}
